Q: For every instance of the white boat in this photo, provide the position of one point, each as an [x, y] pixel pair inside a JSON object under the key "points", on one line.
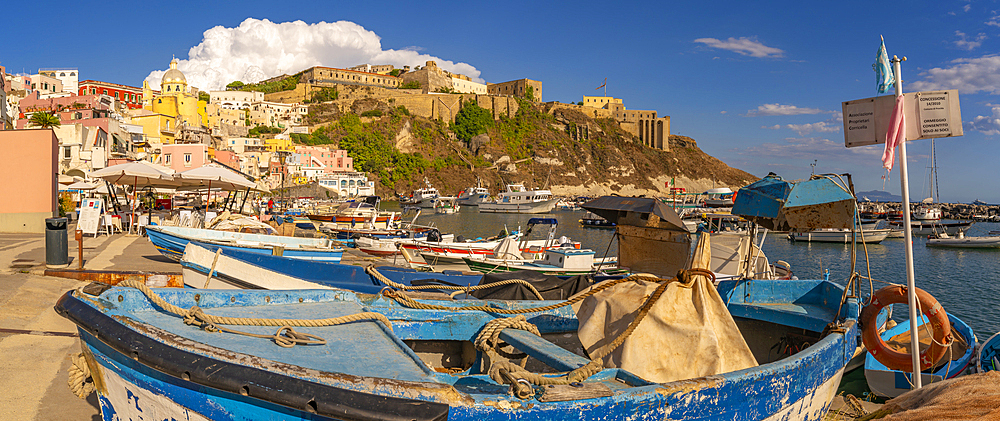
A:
{"points": [[518, 199], [960, 240], [558, 261], [926, 212], [424, 196], [924, 228], [841, 235], [721, 197], [446, 205], [473, 196]]}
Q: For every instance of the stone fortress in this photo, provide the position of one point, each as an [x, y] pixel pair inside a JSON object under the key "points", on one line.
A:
{"points": [[434, 93]]}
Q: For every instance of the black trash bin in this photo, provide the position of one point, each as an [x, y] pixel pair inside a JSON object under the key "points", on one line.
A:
{"points": [[56, 241]]}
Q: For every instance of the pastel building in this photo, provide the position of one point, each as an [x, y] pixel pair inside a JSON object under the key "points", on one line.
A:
{"points": [[600, 101], [235, 100], [517, 88], [128, 96], [30, 191], [313, 161], [175, 98], [67, 76], [184, 156]]}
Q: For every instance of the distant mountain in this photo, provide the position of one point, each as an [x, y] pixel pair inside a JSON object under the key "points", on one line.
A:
{"points": [[879, 196]]}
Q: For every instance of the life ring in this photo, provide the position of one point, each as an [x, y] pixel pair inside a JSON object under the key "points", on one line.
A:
{"points": [[938, 319]]}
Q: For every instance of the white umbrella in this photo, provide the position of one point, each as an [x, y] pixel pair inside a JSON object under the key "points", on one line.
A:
{"points": [[81, 185], [138, 174], [213, 176]]}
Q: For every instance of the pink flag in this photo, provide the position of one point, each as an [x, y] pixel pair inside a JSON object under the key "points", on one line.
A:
{"points": [[895, 135]]}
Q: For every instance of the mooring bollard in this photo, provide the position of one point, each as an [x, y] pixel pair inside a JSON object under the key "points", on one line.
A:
{"points": [[79, 249]]}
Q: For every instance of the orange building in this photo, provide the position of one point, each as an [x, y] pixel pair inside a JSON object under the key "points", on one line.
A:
{"points": [[28, 195]]}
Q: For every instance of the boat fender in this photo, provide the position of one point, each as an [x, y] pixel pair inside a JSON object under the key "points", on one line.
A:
{"points": [[938, 319]]}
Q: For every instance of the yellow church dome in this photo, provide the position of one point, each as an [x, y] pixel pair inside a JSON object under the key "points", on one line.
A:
{"points": [[173, 75]]}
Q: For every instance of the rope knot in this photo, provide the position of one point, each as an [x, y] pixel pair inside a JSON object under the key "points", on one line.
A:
{"points": [[196, 317]]}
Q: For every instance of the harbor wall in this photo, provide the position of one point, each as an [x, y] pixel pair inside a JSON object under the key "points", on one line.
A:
{"points": [[28, 193]]}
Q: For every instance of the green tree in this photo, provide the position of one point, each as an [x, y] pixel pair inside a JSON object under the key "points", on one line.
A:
{"points": [[471, 120], [395, 72], [410, 85], [324, 95], [204, 96], [44, 120], [529, 94], [234, 86], [445, 90]]}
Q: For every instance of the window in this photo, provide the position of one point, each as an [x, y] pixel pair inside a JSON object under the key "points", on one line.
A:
{"points": [[187, 159], [72, 73], [105, 92], [93, 91], [67, 152], [116, 95], [166, 159]]}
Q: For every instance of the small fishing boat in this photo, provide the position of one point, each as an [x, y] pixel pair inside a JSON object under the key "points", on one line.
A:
{"points": [[473, 196], [722, 197], [446, 205], [363, 213], [925, 228], [374, 357], [557, 261], [237, 269], [590, 220], [423, 197], [518, 199], [887, 382], [988, 356], [961, 241], [170, 241], [841, 235]]}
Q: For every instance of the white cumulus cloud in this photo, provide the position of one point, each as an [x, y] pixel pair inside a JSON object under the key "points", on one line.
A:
{"points": [[743, 45], [258, 49], [968, 75], [989, 125], [819, 127], [778, 109]]}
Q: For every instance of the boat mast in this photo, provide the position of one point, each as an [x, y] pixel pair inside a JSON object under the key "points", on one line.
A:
{"points": [[934, 181]]}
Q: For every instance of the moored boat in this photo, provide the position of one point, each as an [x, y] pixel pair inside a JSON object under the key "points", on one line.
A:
{"points": [[841, 235], [446, 205], [961, 241], [170, 241], [924, 228], [473, 196], [518, 199], [557, 261]]}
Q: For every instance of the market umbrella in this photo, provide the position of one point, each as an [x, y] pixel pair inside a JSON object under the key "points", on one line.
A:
{"points": [[137, 174], [211, 176]]}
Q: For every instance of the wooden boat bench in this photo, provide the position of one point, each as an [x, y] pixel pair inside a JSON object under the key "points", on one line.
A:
{"points": [[810, 317], [547, 352]]}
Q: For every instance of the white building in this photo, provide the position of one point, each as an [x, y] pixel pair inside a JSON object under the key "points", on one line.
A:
{"points": [[235, 100], [68, 76], [349, 184], [468, 86]]}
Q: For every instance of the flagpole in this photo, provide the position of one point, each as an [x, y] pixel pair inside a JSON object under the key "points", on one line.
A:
{"points": [[908, 238]]}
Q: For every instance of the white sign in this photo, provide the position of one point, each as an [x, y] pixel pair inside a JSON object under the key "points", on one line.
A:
{"points": [[928, 114], [90, 216]]}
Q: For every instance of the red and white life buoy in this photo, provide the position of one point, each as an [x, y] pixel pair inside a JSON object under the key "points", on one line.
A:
{"points": [[938, 319]]}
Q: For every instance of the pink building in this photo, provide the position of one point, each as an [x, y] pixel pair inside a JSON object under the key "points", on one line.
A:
{"points": [[184, 156], [323, 159], [71, 109], [228, 158], [29, 195]]}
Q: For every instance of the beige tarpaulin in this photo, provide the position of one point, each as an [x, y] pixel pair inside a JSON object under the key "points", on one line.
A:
{"points": [[688, 333]]}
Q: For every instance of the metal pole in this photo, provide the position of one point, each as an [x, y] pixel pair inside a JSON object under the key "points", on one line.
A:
{"points": [[908, 238]]}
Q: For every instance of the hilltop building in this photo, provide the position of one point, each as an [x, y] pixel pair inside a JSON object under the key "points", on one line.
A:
{"points": [[380, 69], [651, 130], [600, 101], [435, 79], [517, 88], [330, 76], [175, 99], [68, 77]]}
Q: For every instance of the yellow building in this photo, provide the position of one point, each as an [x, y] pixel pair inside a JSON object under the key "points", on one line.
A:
{"points": [[600, 101], [275, 145], [176, 99], [158, 128]]}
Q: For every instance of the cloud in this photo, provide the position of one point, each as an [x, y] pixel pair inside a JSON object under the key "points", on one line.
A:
{"points": [[968, 75], [745, 46], [966, 44], [819, 127], [778, 109], [966, 8], [774, 127], [989, 125], [994, 21], [259, 49]]}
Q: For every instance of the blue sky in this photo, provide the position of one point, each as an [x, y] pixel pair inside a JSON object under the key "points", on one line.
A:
{"points": [[757, 84]]}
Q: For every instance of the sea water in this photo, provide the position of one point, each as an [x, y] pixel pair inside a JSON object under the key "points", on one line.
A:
{"points": [[965, 281]]}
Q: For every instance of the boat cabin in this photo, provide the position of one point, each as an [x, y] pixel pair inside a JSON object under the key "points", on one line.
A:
{"points": [[569, 257]]}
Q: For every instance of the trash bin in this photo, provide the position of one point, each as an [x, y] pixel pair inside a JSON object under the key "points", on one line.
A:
{"points": [[56, 241]]}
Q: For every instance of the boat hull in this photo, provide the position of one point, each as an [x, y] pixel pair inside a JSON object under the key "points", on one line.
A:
{"points": [[874, 236], [534, 207], [965, 242], [172, 246], [182, 377]]}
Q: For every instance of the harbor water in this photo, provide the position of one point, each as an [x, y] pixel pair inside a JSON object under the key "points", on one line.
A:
{"points": [[965, 281]]}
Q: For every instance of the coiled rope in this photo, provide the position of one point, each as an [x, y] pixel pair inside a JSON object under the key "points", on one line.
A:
{"points": [[521, 380], [80, 381], [285, 336], [370, 270]]}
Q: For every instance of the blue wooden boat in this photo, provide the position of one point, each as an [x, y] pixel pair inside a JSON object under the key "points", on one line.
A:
{"points": [[147, 363], [241, 269], [170, 241], [890, 383], [988, 357]]}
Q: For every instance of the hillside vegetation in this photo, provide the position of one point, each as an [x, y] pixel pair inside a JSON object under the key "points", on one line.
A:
{"points": [[535, 147]]}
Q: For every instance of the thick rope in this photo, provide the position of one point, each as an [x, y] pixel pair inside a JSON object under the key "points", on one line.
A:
{"points": [[521, 380], [285, 336], [370, 270], [80, 381]]}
